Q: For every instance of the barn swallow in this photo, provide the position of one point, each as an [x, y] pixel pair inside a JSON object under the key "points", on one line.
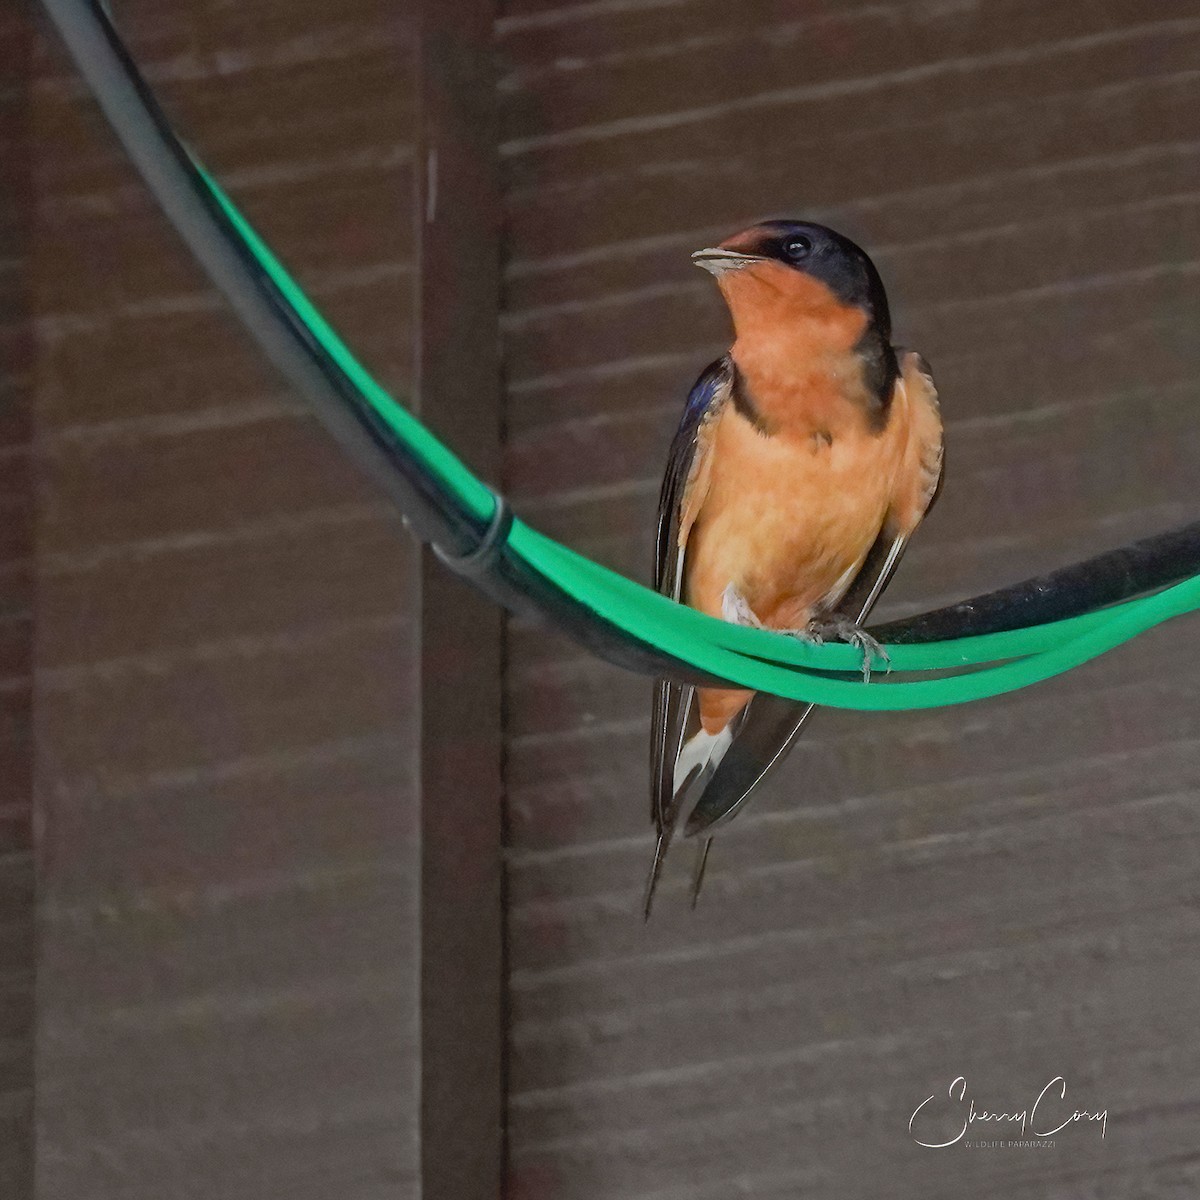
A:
{"points": [[805, 459]]}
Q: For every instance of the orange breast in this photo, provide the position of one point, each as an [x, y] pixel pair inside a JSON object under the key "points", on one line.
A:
{"points": [[786, 519]]}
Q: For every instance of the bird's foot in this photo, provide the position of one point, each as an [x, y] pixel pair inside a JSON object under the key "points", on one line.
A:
{"points": [[736, 609], [842, 629]]}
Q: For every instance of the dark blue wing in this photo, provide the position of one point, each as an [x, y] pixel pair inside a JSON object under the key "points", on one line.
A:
{"points": [[674, 717], [704, 401]]}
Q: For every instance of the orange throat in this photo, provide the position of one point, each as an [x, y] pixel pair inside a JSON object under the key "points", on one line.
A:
{"points": [[795, 348]]}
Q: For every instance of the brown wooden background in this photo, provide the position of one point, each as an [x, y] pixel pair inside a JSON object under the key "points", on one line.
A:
{"points": [[265, 736]]}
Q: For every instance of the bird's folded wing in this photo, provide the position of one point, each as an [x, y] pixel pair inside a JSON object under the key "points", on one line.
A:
{"points": [[684, 486]]}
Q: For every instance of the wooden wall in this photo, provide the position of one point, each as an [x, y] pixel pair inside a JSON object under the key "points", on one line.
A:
{"points": [[1006, 892], [228, 661]]}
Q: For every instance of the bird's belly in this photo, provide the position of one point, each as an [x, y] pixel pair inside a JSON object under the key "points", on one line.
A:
{"points": [[787, 524]]}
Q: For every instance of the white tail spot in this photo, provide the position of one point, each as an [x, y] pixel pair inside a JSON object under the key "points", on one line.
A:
{"points": [[704, 750]]}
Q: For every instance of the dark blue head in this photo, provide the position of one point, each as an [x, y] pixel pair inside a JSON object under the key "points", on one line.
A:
{"points": [[812, 250]]}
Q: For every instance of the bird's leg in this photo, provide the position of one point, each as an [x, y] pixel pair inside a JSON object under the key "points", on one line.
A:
{"points": [[736, 609], [842, 629]]}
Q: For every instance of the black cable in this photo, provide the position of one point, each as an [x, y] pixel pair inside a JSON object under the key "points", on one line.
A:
{"points": [[1144, 566]]}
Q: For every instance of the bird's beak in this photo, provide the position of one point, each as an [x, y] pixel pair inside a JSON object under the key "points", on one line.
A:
{"points": [[720, 261]]}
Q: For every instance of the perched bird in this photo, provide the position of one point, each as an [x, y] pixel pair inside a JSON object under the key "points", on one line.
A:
{"points": [[805, 459]]}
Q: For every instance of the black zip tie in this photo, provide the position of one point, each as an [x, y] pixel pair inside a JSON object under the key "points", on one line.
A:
{"points": [[483, 557]]}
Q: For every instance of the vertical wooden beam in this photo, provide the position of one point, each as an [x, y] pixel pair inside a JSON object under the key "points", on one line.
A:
{"points": [[17, 916], [458, 222]]}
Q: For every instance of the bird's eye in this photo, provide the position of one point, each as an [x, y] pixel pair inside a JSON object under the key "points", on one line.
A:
{"points": [[797, 247]]}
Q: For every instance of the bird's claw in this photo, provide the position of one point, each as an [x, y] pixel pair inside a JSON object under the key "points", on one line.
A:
{"points": [[842, 629]]}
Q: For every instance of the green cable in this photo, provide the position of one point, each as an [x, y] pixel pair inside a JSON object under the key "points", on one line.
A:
{"points": [[1068, 644], [600, 587], [757, 659]]}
